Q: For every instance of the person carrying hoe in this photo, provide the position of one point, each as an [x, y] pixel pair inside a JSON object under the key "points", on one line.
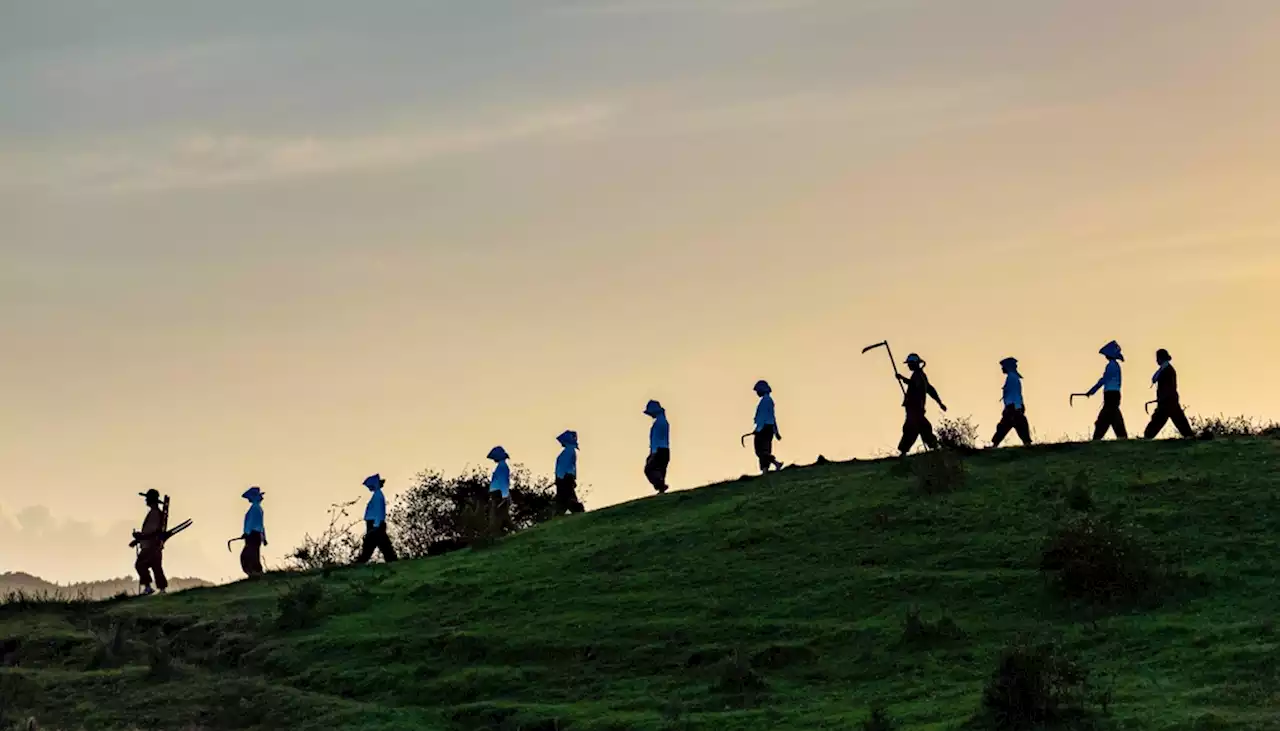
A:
{"points": [[766, 428], [1168, 403], [1110, 417], [255, 533], [150, 542], [916, 425]]}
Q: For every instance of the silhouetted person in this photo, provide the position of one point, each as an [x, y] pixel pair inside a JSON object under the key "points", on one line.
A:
{"points": [[255, 533], [500, 487], [567, 475], [655, 466], [1110, 418], [766, 427], [917, 425], [150, 542], [1168, 403], [1014, 417], [375, 524]]}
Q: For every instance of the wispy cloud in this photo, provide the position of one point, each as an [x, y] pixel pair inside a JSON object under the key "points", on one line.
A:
{"points": [[214, 160]]}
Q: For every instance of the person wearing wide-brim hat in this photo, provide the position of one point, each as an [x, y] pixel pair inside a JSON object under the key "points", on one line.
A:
{"points": [[375, 523], [1014, 417], [567, 475], [1110, 418], [916, 425], [500, 487], [255, 533], [766, 427], [1168, 402], [655, 465], [150, 542]]}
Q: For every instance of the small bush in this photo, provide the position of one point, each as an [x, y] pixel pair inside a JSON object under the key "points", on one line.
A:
{"points": [[1035, 686], [958, 434], [1097, 560], [919, 631], [338, 545], [738, 681], [939, 472], [298, 607], [1080, 497], [879, 720], [1227, 427]]}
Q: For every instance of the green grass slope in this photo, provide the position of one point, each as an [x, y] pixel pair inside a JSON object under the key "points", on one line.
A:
{"points": [[647, 615]]}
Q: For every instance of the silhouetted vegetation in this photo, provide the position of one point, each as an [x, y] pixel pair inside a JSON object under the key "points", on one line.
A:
{"points": [[939, 472], [958, 434], [338, 545], [456, 512], [1228, 427], [1034, 686], [1098, 560]]}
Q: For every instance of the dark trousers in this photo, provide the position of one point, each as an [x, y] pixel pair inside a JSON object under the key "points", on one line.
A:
{"points": [[764, 446], [251, 555], [915, 427], [655, 469], [1013, 419], [151, 561], [1164, 414], [376, 539], [1110, 417], [567, 495]]}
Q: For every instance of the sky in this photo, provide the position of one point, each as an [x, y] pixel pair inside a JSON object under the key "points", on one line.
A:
{"points": [[296, 243]]}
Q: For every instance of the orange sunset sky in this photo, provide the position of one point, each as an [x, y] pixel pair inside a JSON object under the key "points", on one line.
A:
{"points": [[294, 243]]}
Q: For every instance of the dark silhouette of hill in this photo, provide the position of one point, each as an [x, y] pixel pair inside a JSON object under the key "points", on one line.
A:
{"points": [[17, 582]]}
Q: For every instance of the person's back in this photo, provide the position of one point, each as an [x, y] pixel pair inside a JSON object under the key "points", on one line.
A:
{"points": [[660, 433], [152, 528], [1167, 385], [917, 391]]}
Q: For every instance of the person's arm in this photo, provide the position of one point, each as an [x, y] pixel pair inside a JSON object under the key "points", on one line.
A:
{"points": [[1101, 382], [933, 392]]}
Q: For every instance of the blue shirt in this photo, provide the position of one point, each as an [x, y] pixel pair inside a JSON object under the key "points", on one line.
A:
{"points": [[1110, 380], [764, 413], [567, 462], [253, 522], [377, 509], [1013, 390], [501, 481], [659, 434]]}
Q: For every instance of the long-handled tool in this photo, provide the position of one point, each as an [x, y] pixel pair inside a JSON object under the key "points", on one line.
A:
{"points": [[897, 376], [1072, 401], [233, 540]]}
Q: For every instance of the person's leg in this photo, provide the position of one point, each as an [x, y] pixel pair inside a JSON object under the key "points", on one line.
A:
{"points": [[1105, 418], [572, 504], [387, 550], [764, 448], [910, 432], [926, 433], [369, 544], [1004, 427], [143, 569], [561, 503], [1023, 427], [1158, 420], [157, 568], [251, 556], [1117, 418], [1181, 422], [661, 462]]}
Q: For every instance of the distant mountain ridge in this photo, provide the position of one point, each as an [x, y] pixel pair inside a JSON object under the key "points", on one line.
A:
{"points": [[17, 581]]}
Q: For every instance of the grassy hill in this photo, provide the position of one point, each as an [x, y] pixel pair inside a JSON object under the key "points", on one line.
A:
{"points": [[28, 586], [769, 604]]}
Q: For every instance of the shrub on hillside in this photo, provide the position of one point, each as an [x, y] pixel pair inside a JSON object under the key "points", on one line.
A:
{"points": [[738, 681], [919, 631], [1227, 427], [1096, 559], [938, 472], [443, 510], [879, 720], [1036, 686], [959, 434], [299, 606], [338, 545]]}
